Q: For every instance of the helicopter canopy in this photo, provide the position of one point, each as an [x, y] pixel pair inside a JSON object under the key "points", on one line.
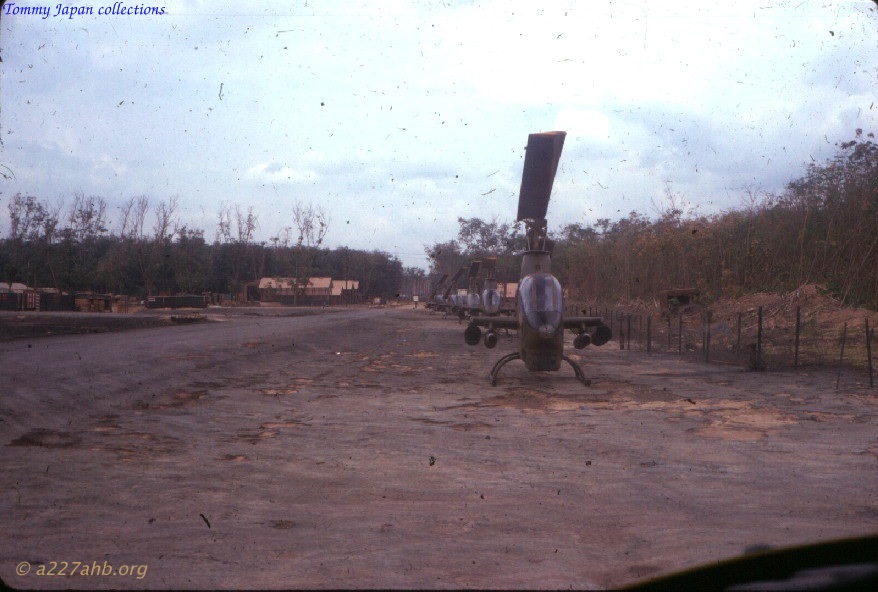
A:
{"points": [[491, 301], [541, 302]]}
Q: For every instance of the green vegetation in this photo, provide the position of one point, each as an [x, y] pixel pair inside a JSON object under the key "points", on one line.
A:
{"points": [[75, 251], [822, 229]]}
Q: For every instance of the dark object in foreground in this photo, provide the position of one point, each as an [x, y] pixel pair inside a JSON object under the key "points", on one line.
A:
{"points": [[847, 564]]}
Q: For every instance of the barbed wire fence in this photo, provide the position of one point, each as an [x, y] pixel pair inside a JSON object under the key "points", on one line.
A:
{"points": [[757, 339]]}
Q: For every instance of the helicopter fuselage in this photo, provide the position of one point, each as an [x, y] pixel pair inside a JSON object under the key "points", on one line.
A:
{"points": [[540, 320], [540, 304]]}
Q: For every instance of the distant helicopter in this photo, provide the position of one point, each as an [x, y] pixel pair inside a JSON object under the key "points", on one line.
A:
{"points": [[470, 303], [491, 299], [435, 297], [540, 308], [473, 299], [487, 303], [447, 300]]}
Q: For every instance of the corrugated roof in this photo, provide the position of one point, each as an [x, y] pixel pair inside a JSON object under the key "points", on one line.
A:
{"points": [[13, 287], [288, 283], [280, 283], [320, 282]]}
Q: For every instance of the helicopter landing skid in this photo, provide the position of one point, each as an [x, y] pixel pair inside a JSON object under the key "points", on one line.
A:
{"points": [[500, 363], [580, 376]]}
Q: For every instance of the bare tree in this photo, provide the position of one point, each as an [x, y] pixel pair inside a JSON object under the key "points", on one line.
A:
{"points": [[33, 228], [224, 225], [247, 224], [87, 219], [311, 223], [165, 222], [32, 220], [235, 231], [134, 217], [284, 237], [244, 224]]}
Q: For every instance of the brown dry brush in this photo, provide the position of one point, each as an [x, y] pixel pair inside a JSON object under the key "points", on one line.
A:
{"points": [[823, 229], [727, 331]]}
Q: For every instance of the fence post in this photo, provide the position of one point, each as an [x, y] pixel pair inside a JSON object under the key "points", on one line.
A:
{"points": [[738, 346], [707, 337], [629, 332], [680, 336], [798, 328], [760, 364], [869, 353], [703, 332], [844, 335], [649, 334]]}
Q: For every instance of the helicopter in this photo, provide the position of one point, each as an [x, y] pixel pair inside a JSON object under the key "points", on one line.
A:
{"points": [[489, 301], [473, 300], [435, 297], [448, 301], [467, 304], [540, 308]]}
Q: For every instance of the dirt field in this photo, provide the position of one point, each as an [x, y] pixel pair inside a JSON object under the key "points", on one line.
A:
{"points": [[366, 448]]}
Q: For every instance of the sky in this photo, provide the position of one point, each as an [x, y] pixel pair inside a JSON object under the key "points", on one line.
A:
{"points": [[398, 117]]}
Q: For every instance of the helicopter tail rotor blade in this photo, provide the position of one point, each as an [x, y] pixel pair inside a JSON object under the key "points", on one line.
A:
{"points": [[540, 165]]}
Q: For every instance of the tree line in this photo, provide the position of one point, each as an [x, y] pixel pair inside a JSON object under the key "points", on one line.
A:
{"points": [[822, 229], [151, 252]]}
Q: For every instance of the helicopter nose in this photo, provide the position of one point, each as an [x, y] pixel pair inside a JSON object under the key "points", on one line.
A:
{"points": [[546, 331]]}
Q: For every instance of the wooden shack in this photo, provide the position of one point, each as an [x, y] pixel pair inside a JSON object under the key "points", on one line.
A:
{"points": [[90, 302], [681, 300], [315, 291]]}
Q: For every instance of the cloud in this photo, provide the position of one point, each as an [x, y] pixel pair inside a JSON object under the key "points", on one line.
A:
{"points": [[275, 173], [404, 116]]}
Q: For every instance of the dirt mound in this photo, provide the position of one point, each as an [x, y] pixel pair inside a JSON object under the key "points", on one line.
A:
{"points": [[811, 299], [824, 325]]}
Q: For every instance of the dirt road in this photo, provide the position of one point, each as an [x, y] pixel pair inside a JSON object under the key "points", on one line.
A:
{"points": [[366, 448]]}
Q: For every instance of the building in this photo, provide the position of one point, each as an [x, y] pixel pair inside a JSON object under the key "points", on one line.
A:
{"points": [[508, 290], [316, 291], [345, 292]]}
